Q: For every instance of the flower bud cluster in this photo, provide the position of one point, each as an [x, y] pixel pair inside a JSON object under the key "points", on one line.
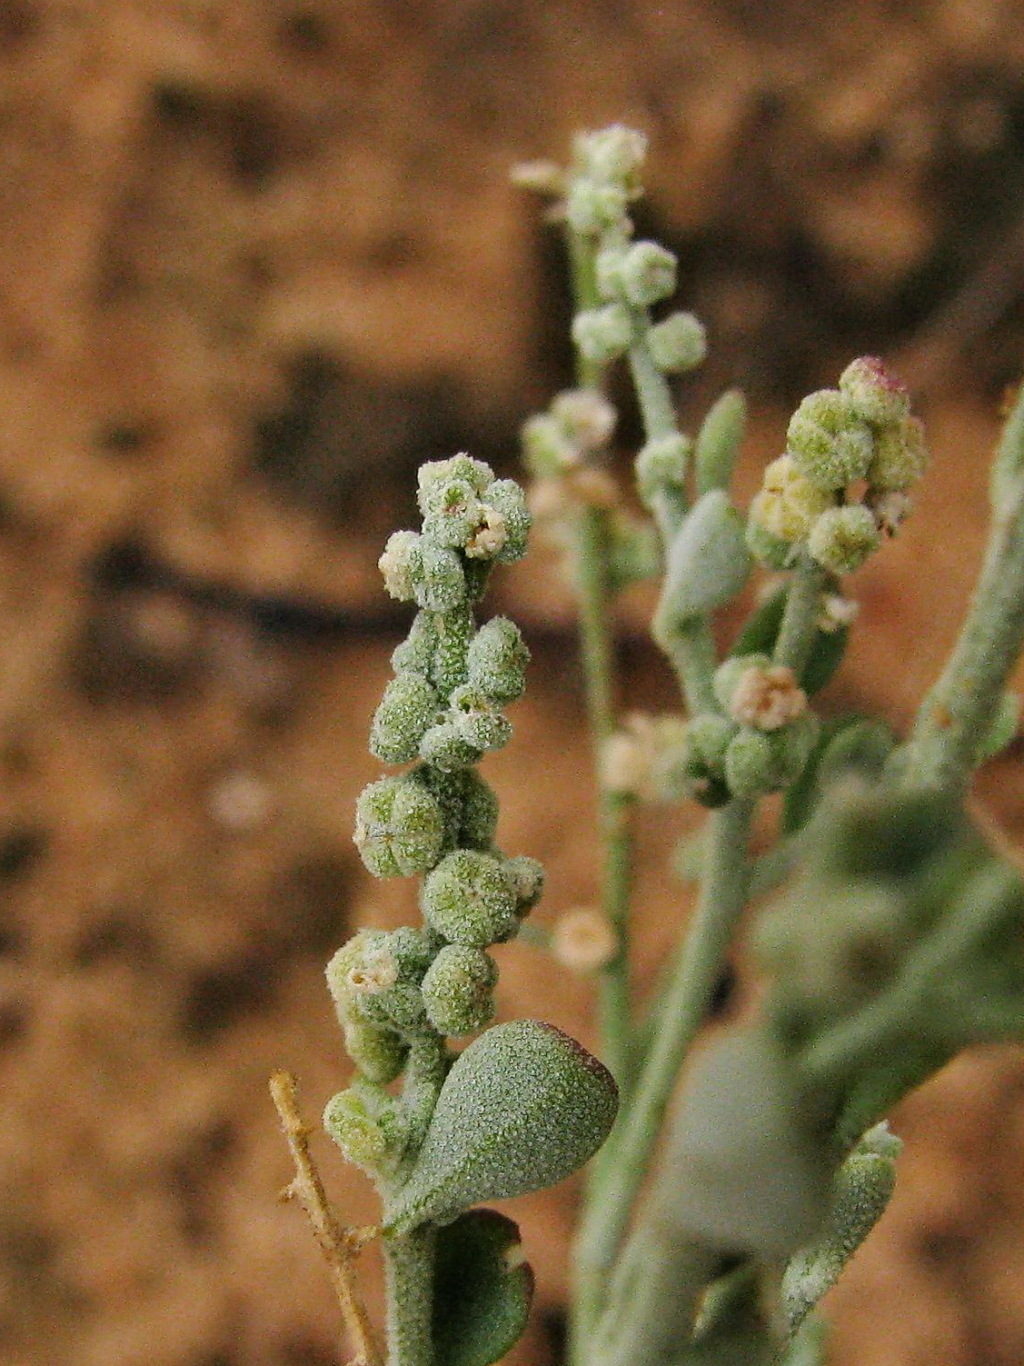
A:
{"points": [[401, 990], [861, 434], [760, 741]]}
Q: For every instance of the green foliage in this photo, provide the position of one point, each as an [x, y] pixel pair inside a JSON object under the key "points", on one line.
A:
{"points": [[522, 1108], [483, 1288], [895, 944]]}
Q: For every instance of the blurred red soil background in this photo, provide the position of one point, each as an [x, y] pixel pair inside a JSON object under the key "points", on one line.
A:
{"points": [[258, 259]]}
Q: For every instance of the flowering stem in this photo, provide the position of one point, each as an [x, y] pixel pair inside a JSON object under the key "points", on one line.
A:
{"points": [[800, 616], [723, 897], [690, 647], [593, 557]]}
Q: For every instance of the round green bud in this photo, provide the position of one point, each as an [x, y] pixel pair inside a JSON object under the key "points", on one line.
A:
{"points": [[522, 1108], [438, 582], [603, 334], [445, 748], [608, 272], [452, 512], [788, 503], [409, 707], [497, 660], [507, 499], [548, 449], [831, 445], [458, 990], [470, 899], [752, 763], [437, 473], [527, 876], [399, 827], [662, 463], [478, 720], [350, 1121], [678, 343], [416, 652], [378, 1053], [479, 818], [877, 395], [396, 564], [709, 735], [901, 456], [648, 274], [729, 673], [612, 154], [843, 538], [591, 207], [765, 547], [375, 978]]}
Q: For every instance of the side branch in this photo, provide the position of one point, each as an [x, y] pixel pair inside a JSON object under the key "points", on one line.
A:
{"points": [[339, 1245]]}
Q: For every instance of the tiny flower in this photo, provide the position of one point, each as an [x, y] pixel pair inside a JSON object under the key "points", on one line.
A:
{"points": [[375, 972], [647, 275], [582, 940], [788, 502], [662, 463], [469, 898], [489, 537], [603, 334], [837, 613], [458, 990], [901, 456], [891, 510], [627, 756], [767, 699], [613, 153], [592, 206], [587, 416]]}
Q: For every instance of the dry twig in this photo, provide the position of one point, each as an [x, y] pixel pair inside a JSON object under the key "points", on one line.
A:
{"points": [[339, 1245]]}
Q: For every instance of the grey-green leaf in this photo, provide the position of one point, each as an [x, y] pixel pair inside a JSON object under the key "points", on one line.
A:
{"points": [[483, 1289], [522, 1108], [708, 563]]}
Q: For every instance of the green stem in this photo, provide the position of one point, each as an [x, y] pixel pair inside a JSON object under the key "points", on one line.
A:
{"points": [[409, 1279], [958, 711], [795, 640], [409, 1258], [657, 409], [594, 587], [723, 897], [654, 1297], [691, 647]]}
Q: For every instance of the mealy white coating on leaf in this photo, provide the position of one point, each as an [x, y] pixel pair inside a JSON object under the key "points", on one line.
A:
{"points": [[708, 562], [522, 1108]]}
